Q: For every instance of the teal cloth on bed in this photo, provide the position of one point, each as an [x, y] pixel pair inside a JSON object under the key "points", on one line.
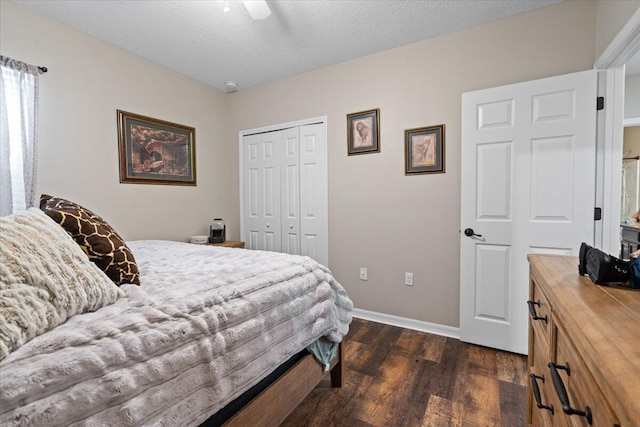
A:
{"points": [[324, 351]]}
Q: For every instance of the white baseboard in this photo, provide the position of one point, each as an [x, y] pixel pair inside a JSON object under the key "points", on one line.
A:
{"points": [[404, 322]]}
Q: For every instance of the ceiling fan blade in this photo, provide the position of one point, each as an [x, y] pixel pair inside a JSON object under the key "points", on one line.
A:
{"points": [[258, 9]]}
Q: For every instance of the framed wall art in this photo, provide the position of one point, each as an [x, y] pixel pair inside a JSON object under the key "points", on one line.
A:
{"points": [[424, 150], [363, 132], [153, 151]]}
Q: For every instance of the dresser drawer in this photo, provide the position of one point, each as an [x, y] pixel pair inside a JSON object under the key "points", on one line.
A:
{"points": [[583, 392], [550, 414], [630, 234], [541, 355], [539, 313]]}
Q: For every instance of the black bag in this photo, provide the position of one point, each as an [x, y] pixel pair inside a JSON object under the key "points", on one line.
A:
{"points": [[602, 268], [582, 267]]}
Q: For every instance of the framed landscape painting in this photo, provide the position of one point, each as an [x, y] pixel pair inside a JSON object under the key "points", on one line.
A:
{"points": [[424, 150], [153, 151]]}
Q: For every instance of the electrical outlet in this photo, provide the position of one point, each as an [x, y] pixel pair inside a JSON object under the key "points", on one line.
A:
{"points": [[363, 273], [408, 279]]}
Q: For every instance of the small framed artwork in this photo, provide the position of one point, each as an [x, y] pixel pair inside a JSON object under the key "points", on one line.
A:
{"points": [[153, 151], [363, 132], [424, 150]]}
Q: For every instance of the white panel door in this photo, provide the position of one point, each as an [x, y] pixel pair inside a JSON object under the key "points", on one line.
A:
{"points": [[290, 191], [313, 192], [262, 218], [528, 186]]}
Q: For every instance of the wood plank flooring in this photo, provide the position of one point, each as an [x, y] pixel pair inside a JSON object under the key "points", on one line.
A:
{"points": [[400, 377]]}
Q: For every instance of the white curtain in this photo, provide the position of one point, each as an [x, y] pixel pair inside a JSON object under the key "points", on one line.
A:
{"points": [[18, 135]]}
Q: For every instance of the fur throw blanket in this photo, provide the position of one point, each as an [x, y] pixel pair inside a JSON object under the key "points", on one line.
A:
{"points": [[205, 324]]}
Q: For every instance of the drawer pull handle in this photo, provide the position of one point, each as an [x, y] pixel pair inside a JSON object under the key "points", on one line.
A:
{"points": [[532, 310], [558, 384], [536, 392]]}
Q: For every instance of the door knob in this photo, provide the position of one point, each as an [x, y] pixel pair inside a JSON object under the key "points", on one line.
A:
{"points": [[469, 232], [268, 225], [291, 226]]}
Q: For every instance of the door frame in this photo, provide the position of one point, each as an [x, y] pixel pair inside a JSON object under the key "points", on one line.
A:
{"points": [[322, 120], [610, 137]]}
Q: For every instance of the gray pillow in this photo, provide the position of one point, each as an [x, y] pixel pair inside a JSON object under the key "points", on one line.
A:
{"points": [[45, 278]]}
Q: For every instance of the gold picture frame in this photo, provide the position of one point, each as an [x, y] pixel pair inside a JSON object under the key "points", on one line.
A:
{"points": [[153, 151], [363, 132], [424, 150]]}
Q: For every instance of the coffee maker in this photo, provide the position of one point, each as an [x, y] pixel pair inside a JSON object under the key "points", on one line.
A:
{"points": [[217, 232]]}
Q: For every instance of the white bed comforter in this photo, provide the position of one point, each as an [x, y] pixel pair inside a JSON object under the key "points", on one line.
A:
{"points": [[206, 324]]}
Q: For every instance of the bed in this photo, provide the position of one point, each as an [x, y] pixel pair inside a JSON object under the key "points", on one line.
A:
{"points": [[205, 325]]}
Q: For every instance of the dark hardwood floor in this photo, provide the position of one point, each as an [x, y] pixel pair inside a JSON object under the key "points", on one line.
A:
{"points": [[400, 377]]}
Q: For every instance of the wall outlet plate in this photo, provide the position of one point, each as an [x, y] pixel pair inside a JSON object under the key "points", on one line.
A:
{"points": [[363, 273], [408, 279]]}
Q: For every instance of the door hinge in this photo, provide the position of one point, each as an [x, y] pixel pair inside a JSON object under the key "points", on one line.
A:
{"points": [[597, 214], [600, 103]]}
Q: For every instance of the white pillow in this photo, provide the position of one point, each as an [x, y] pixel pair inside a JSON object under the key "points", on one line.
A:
{"points": [[45, 278]]}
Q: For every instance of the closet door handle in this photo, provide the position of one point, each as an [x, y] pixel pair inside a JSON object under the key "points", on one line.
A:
{"points": [[268, 225], [532, 311], [291, 226], [536, 392], [561, 391]]}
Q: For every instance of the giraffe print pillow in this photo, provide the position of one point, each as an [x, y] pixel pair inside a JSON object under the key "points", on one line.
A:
{"points": [[98, 240]]}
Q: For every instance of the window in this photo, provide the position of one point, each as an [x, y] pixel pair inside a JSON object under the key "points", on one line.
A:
{"points": [[18, 127]]}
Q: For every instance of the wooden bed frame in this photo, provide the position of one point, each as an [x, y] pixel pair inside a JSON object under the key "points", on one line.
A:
{"points": [[279, 399]]}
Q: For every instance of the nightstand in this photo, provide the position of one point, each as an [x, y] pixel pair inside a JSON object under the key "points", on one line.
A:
{"points": [[229, 244]]}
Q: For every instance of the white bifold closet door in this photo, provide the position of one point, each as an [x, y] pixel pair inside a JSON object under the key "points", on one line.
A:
{"points": [[285, 191]]}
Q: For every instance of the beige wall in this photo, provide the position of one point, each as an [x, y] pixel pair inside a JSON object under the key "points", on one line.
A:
{"points": [[632, 96], [378, 217], [611, 17], [631, 141], [88, 80]]}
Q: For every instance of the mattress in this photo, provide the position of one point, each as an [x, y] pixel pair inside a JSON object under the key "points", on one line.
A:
{"points": [[206, 324]]}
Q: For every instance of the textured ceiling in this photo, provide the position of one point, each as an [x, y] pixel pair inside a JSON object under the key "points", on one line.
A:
{"points": [[197, 39]]}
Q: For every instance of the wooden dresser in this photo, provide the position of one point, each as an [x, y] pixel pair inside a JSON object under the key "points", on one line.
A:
{"points": [[229, 244], [588, 338]]}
